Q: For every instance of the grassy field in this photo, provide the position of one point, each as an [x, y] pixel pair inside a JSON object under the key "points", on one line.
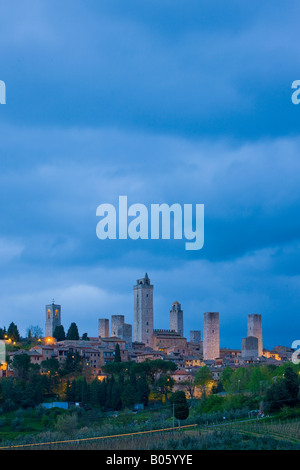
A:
{"points": [[243, 435], [281, 430], [93, 429]]}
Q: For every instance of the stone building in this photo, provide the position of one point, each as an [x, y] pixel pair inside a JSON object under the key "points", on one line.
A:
{"points": [[211, 337], [255, 329], [103, 327], [116, 321], [169, 341], [143, 311], [176, 318], [125, 333], [195, 336], [250, 347], [53, 318]]}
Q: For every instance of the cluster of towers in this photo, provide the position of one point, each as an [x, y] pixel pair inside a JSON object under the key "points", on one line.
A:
{"points": [[118, 328], [143, 328], [252, 345]]}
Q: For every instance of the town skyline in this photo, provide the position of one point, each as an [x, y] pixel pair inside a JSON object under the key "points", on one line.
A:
{"points": [[182, 110], [164, 324]]}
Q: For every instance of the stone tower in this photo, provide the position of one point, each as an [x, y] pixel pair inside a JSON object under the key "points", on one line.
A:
{"points": [[103, 327], [143, 311], [53, 318], [255, 329], [176, 318], [250, 347], [195, 336], [211, 337], [116, 321], [125, 333]]}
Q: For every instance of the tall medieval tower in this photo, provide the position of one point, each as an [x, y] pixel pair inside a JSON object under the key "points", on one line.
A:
{"points": [[143, 311], [176, 318], [211, 337], [255, 329], [53, 318], [103, 327]]}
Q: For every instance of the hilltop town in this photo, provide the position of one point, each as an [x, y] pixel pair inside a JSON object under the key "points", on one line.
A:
{"points": [[145, 343]]}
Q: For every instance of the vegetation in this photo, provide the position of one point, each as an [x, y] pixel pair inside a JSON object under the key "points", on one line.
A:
{"points": [[224, 412], [180, 405], [59, 333], [72, 333], [117, 357]]}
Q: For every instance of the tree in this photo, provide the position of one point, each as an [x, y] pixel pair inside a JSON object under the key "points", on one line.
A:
{"points": [[180, 406], [85, 337], [226, 378], [284, 392], [256, 380], [34, 332], [51, 365], [163, 386], [13, 332], [59, 333], [129, 396], [277, 396], [117, 353], [189, 386], [73, 362], [203, 378], [115, 401], [158, 367], [67, 424], [73, 332], [291, 382], [143, 390], [115, 367], [33, 392], [2, 333], [21, 365]]}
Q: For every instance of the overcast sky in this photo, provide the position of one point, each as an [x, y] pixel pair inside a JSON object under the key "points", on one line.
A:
{"points": [[164, 101]]}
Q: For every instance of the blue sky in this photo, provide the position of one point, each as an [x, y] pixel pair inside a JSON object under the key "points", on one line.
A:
{"points": [[163, 101]]}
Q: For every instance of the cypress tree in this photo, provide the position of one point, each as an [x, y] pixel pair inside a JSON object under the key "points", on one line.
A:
{"points": [[73, 332], [181, 407], [117, 353], [13, 332], [59, 333]]}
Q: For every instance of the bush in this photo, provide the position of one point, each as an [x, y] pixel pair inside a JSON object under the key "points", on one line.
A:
{"points": [[67, 424], [17, 424], [2, 422]]}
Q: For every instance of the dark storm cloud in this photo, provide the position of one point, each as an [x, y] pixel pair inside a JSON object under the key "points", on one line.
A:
{"points": [[163, 101], [166, 67]]}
